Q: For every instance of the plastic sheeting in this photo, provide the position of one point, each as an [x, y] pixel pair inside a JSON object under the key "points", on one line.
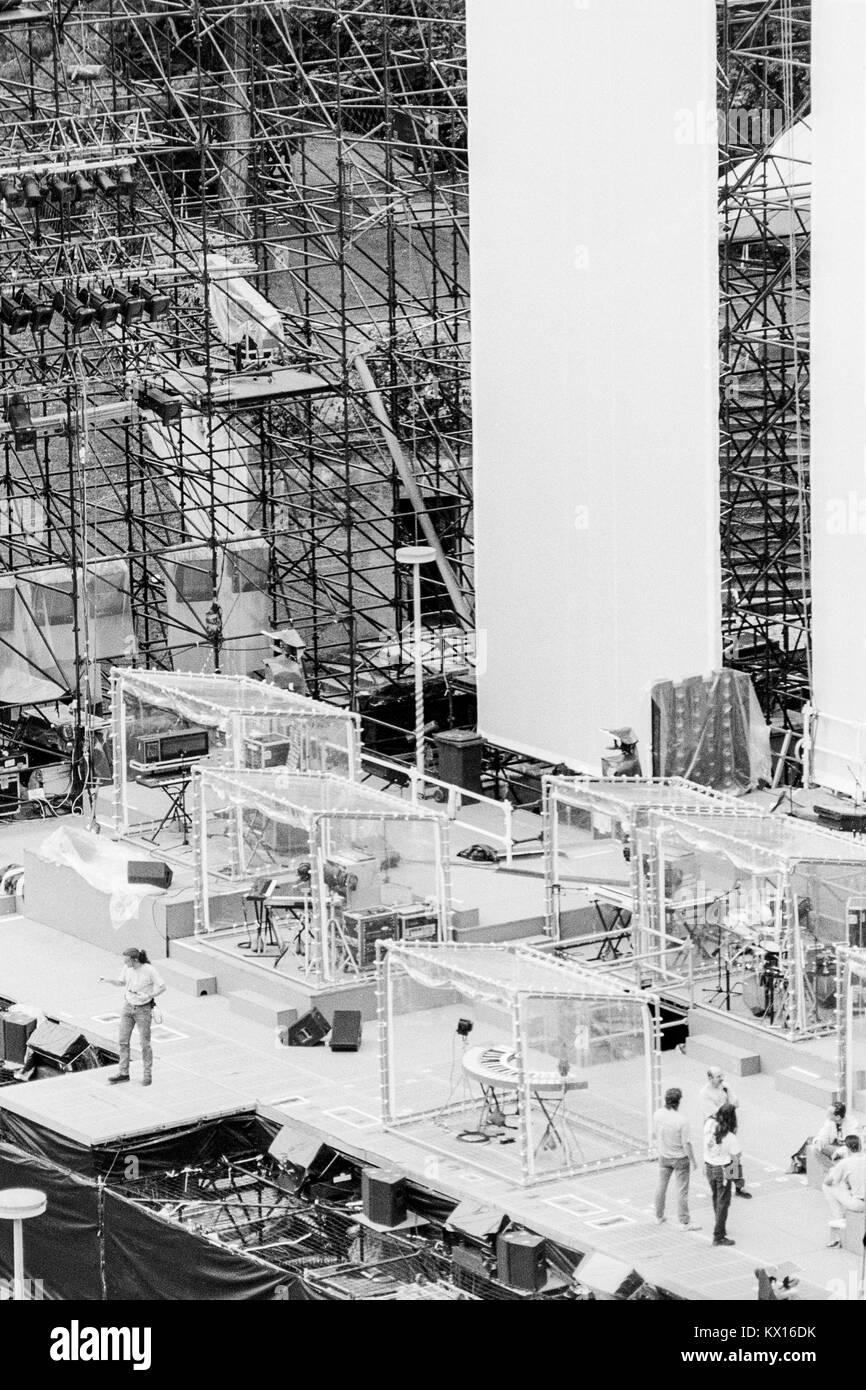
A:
{"points": [[208, 470], [711, 731], [239, 311], [759, 844], [102, 864]]}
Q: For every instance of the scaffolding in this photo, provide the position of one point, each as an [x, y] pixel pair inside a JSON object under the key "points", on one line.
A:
{"points": [[233, 332], [764, 241]]}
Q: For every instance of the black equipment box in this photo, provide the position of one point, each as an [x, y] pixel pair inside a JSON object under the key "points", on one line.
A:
{"points": [[151, 871], [309, 1030], [15, 1031], [460, 758], [346, 1030], [417, 924], [269, 750], [383, 1193], [182, 745], [521, 1260], [363, 929]]}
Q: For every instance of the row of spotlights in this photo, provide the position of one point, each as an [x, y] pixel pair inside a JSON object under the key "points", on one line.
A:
{"points": [[89, 308], [66, 190]]}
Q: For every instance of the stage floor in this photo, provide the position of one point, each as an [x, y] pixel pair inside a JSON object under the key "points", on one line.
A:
{"points": [[211, 1061]]}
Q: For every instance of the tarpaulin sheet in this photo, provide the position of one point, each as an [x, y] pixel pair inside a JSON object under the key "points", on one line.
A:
{"points": [[146, 1257], [62, 1247]]}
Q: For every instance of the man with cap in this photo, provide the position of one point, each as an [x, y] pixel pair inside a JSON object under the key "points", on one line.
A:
{"points": [[140, 984], [286, 668], [625, 742], [714, 1095]]}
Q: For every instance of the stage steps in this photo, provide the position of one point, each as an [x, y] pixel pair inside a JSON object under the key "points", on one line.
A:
{"points": [[261, 1008], [190, 979], [805, 1084], [777, 1052], [738, 1061]]}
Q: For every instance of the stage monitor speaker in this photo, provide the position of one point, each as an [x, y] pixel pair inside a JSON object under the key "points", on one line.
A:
{"points": [[608, 1277], [15, 1031], [296, 1153], [57, 1042], [346, 1030], [151, 871], [309, 1030], [383, 1193], [521, 1260]]}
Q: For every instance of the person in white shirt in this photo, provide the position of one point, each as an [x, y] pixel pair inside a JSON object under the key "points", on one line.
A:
{"points": [[676, 1156], [714, 1095], [721, 1149], [845, 1188], [140, 984]]}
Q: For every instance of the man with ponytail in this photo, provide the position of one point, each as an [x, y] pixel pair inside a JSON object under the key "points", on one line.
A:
{"points": [[140, 984]]}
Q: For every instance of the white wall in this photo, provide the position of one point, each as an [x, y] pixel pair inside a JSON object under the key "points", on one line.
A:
{"points": [[595, 362], [838, 386]]}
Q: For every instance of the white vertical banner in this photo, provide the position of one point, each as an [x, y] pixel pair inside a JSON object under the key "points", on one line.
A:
{"points": [[838, 393], [594, 238]]}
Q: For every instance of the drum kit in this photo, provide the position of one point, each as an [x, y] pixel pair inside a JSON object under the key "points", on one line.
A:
{"points": [[753, 953]]}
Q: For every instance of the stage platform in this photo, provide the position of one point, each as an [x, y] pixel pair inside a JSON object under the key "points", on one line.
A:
{"points": [[211, 1061]]}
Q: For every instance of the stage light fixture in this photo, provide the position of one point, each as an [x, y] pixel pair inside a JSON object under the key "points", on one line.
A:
{"points": [[84, 189], [105, 183], [13, 316], [60, 191], [106, 310], [167, 408], [78, 316], [125, 182], [464, 1027], [31, 190], [131, 304], [155, 300], [40, 313], [20, 421], [11, 193]]}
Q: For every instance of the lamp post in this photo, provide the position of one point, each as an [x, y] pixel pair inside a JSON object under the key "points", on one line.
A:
{"points": [[416, 556], [18, 1204]]}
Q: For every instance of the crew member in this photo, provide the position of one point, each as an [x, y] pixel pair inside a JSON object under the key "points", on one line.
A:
{"points": [[676, 1157], [845, 1188], [140, 984], [721, 1151], [714, 1095], [625, 742], [286, 668]]}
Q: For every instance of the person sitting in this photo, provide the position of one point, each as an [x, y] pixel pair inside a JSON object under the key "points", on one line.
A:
{"points": [[845, 1188], [827, 1143]]}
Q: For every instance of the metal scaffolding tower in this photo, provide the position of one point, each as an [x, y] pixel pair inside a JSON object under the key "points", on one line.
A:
{"points": [[764, 57], [233, 333]]}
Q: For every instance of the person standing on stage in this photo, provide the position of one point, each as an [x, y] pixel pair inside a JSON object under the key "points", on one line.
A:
{"points": [[721, 1150], [140, 984], [714, 1095], [676, 1157]]}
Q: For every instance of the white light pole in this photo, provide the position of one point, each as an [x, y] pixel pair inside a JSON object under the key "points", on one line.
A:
{"points": [[416, 556], [18, 1204]]}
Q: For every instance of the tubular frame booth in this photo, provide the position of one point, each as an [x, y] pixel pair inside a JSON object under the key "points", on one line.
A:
{"points": [[779, 896], [251, 724], [851, 1012], [614, 808], [342, 865], [559, 1057]]}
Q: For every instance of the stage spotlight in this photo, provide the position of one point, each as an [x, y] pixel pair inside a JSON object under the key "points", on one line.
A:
{"points": [[15, 318], [125, 182], [84, 189], [60, 191], [78, 316], [155, 300], [11, 193], [31, 190], [167, 408], [20, 421], [106, 310], [40, 313], [105, 183], [131, 304]]}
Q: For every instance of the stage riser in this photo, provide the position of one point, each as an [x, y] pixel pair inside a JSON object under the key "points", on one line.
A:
{"points": [[738, 1061], [776, 1053], [802, 1083]]}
